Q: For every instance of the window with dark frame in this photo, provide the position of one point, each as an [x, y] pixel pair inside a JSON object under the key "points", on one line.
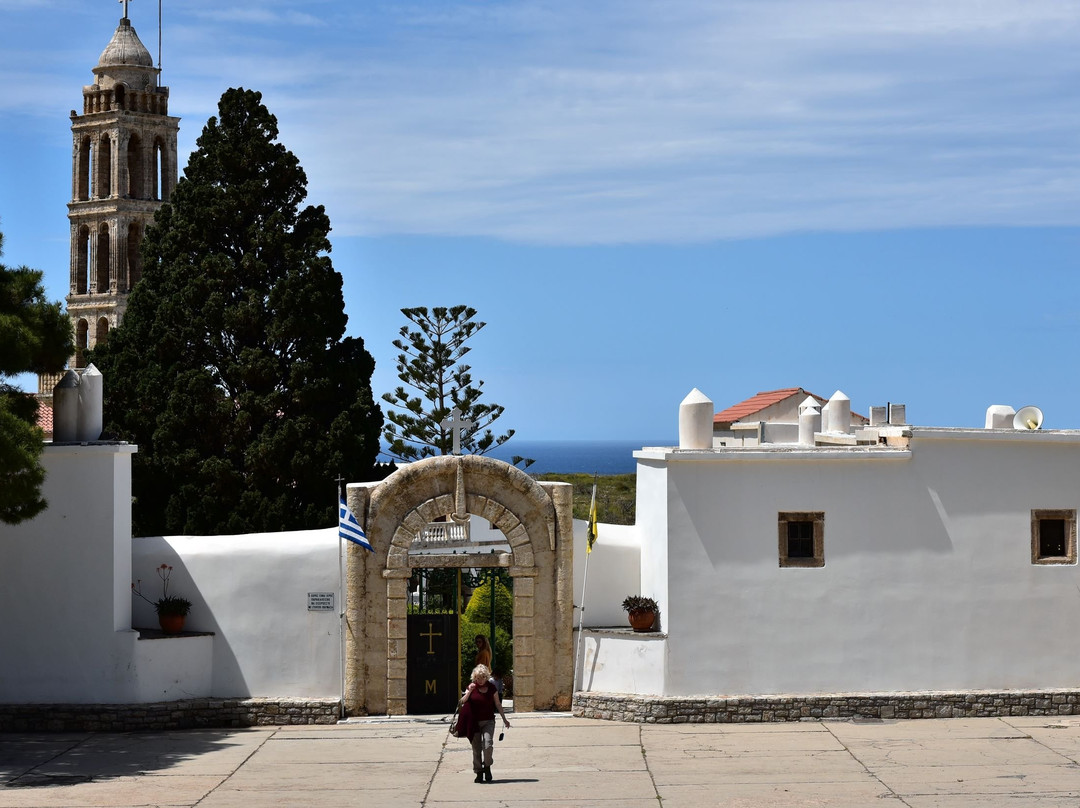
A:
{"points": [[802, 538], [1053, 537]]}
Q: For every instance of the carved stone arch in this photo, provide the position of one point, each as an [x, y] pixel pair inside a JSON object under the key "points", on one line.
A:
{"points": [[536, 520]]}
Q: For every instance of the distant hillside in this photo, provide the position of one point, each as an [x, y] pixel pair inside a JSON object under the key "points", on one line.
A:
{"points": [[616, 495]]}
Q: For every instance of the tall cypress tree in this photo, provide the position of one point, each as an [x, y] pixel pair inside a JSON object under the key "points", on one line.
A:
{"points": [[230, 369]]}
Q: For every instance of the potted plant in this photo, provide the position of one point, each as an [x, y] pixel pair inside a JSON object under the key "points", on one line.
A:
{"points": [[171, 609], [641, 611]]}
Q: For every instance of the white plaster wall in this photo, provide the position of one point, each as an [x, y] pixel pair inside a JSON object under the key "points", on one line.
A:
{"points": [[927, 583], [252, 592], [64, 584], [614, 572], [652, 526], [171, 668], [614, 663]]}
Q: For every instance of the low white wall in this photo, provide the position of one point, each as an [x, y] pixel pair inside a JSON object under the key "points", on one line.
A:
{"points": [[622, 663], [252, 592], [614, 572], [172, 668], [65, 577]]}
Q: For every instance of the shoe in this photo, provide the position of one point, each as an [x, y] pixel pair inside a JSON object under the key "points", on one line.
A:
{"points": [[479, 777], [487, 773]]}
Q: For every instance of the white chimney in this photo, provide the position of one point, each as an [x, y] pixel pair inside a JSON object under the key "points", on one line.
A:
{"points": [[696, 421], [809, 421], [999, 416], [66, 409], [839, 414]]}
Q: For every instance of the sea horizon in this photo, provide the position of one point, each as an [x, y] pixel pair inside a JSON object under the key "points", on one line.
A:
{"points": [[612, 456]]}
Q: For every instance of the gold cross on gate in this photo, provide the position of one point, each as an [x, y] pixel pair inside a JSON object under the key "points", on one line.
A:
{"points": [[431, 635]]}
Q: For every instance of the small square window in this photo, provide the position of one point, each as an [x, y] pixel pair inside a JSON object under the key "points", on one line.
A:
{"points": [[1053, 537], [802, 538]]}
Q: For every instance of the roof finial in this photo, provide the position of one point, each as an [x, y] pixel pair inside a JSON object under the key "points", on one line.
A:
{"points": [[125, 4]]}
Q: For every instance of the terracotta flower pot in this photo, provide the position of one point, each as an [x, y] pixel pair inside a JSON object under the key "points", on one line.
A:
{"points": [[641, 619], [171, 623]]}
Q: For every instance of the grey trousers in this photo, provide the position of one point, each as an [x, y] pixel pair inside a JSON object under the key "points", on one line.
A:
{"points": [[482, 743]]}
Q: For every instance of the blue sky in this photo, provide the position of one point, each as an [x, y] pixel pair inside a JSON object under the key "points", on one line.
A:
{"points": [[641, 198]]}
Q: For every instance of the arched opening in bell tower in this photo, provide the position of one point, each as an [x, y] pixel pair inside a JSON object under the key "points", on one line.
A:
{"points": [[136, 181], [82, 191], [82, 330], [103, 250], [103, 164], [82, 260], [162, 170], [102, 331]]}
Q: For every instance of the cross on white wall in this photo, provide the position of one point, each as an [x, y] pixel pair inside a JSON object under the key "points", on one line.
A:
{"points": [[456, 424]]}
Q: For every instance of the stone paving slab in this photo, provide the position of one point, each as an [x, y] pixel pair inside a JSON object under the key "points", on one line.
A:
{"points": [[194, 752], [941, 728], [578, 801], [742, 743], [259, 775], [967, 752], [555, 761], [830, 767], [315, 798], [351, 750], [974, 780], [961, 801], [567, 787], [866, 794], [156, 790]]}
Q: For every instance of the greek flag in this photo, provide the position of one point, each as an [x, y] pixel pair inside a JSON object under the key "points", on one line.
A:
{"points": [[349, 528]]}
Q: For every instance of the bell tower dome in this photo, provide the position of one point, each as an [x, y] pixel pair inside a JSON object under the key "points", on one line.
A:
{"points": [[123, 169]]}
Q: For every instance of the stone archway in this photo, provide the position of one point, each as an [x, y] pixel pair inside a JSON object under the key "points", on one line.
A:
{"points": [[536, 519]]}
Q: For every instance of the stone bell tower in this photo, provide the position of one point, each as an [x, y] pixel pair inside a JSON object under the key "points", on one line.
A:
{"points": [[123, 169]]}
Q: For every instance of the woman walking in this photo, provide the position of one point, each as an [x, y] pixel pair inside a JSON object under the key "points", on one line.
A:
{"points": [[480, 703], [483, 651]]}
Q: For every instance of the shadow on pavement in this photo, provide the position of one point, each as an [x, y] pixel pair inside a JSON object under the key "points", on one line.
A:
{"points": [[35, 760]]}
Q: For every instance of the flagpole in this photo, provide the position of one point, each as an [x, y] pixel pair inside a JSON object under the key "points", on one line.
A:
{"points": [[584, 587], [341, 597], [581, 623]]}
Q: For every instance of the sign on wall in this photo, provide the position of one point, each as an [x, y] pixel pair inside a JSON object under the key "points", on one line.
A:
{"points": [[320, 601]]}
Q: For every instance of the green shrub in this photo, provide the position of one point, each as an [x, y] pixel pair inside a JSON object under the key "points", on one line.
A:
{"points": [[479, 608]]}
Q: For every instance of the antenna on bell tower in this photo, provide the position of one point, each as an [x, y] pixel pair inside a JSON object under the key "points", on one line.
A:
{"points": [[159, 34]]}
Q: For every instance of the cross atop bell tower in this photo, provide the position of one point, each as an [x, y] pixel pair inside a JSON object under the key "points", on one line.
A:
{"points": [[123, 169]]}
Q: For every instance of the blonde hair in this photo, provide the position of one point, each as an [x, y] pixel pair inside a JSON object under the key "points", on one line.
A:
{"points": [[481, 673]]}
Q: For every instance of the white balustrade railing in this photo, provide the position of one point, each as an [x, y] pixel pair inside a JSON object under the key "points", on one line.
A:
{"points": [[443, 534], [440, 535]]}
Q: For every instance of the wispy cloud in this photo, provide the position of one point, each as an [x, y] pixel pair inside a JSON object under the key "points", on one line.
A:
{"points": [[601, 122]]}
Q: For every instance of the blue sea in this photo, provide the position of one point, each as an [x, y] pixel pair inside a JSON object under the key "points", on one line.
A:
{"points": [[587, 456], [570, 456]]}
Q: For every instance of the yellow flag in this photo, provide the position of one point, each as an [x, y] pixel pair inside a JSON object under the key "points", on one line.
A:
{"points": [[592, 518]]}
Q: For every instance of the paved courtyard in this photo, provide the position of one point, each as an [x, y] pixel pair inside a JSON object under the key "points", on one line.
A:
{"points": [[548, 761]]}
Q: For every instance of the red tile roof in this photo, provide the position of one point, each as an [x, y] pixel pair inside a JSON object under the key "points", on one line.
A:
{"points": [[760, 402], [45, 417], [766, 399]]}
